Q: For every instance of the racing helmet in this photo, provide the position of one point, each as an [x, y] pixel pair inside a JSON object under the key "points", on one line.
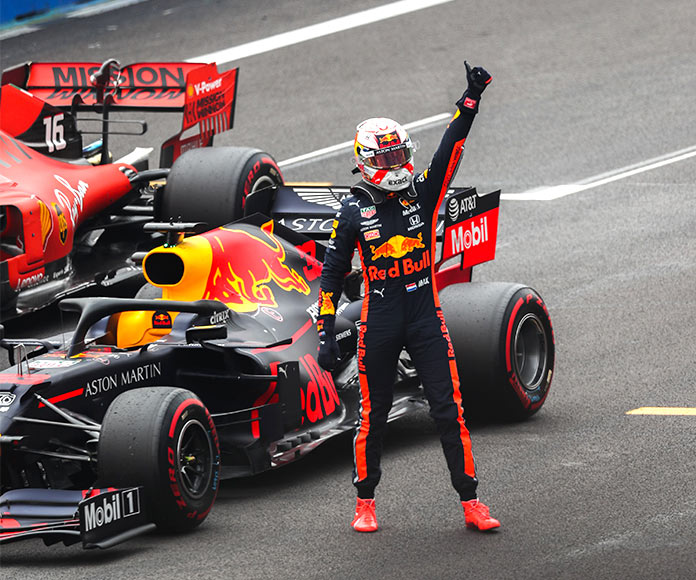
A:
{"points": [[384, 154]]}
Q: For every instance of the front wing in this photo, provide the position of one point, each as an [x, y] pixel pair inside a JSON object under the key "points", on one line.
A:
{"points": [[99, 518]]}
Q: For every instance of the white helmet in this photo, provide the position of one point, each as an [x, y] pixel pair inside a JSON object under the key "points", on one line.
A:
{"points": [[384, 154]]}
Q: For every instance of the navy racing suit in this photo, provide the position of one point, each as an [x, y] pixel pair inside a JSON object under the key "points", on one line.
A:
{"points": [[395, 238]]}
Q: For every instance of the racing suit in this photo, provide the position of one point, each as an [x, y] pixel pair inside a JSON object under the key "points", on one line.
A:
{"points": [[395, 238]]}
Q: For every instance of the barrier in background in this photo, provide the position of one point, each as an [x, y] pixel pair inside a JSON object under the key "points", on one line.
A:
{"points": [[17, 11]]}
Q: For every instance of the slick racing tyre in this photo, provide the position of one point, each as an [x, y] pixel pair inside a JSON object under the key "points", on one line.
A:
{"points": [[220, 185], [164, 439], [504, 345]]}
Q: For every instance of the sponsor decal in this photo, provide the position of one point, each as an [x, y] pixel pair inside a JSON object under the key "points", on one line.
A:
{"points": [[243, 267], [400, 181], [272, 313], [387, 139], [397, 247], [46, 223], [137, 375], [344, 334], [308, 225], [62, 223], [369, 222], [399, 268], [460, 205], [104, 509], [6, 399], [415, 221], [29, 281], [361, 347], [52, 363], [371, 235], [410, 206], [368, 212], [326, 304], [220, 317], [469, 103], [463, 238], [161, 319], [334, 225], [320, 399], [445, 334], [72, 202]]}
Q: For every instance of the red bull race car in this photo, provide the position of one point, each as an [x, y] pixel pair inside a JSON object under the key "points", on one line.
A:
{"points": [[70, 215], [211, 373]]}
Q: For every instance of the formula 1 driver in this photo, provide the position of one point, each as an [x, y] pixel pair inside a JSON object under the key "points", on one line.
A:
{"points": [[391, 219]]}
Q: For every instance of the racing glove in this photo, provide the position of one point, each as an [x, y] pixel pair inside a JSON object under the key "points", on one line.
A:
{"points": [[329, 352], [478, 79]]}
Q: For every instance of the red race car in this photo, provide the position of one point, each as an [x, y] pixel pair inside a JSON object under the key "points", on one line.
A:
{"points": [[70, 217]]}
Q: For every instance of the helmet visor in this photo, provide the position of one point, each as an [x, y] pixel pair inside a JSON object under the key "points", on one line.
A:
{"points": [[396, 156]]}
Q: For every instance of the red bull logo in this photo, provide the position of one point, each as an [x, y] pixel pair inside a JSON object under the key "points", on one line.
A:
{"points": [[388, 139], [244, 265], [397, 247], [326, 305]]}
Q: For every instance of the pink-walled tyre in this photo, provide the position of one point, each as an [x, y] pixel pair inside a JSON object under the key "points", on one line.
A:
{"points": [[164, 439], [504, 343]]}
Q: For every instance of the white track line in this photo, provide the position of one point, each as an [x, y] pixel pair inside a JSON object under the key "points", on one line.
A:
{"points": [[384, 12], [101, 7], [558, 191], [328, 151]]}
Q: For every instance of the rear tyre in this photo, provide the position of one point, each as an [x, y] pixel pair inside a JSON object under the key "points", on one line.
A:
{"points": [[504, 344], [220, 185], [164, 439]]}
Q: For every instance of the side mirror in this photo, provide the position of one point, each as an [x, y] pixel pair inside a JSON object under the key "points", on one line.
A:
{"points": [[202, 333]]}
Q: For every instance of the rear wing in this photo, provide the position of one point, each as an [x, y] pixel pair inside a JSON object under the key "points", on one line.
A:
{"points": [[205, 96]]}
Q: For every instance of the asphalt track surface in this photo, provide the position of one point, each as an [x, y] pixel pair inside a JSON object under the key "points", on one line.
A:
{"points": [[581, 88]]}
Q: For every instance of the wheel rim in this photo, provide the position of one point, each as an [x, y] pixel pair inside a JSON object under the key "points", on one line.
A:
{"points": [[195, 459], [530, 352], [262, 183]]}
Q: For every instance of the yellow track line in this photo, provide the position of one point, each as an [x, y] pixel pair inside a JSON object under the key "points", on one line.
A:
{"points": [[663, 411]]}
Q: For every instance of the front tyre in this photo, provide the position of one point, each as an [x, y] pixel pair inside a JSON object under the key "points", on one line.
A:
{"points": [[220, 185], [164, 439], [504, 344]]}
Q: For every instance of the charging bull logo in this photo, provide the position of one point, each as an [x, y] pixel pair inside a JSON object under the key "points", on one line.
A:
{"points": [[326, 305], [243, 265], [388, 139], [397, 247]]}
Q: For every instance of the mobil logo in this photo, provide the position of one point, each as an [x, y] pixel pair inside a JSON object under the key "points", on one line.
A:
{"points": [[397, 247], [247, 269], [469, 234]]}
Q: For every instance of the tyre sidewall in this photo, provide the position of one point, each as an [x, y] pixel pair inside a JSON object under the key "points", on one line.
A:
{"points": [[258, 171], [174, 508], [523, 402]]}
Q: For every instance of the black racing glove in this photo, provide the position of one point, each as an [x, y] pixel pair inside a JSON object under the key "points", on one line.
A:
{"points": [[478, 79], [329, 352]]}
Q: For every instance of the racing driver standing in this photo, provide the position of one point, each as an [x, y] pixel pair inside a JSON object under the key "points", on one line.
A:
{"points": [[391, 218]]}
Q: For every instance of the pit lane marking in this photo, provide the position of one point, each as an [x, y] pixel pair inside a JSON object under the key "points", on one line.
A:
{"points": [[662, 411], [326, 28]]}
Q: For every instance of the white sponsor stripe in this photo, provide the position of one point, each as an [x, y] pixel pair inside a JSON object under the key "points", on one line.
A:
{"points": [[558, 191], [328, 151], [355, 20]]}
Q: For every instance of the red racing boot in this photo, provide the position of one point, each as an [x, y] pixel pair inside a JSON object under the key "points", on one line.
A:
{"points": [[365, 519], [477, 516]]}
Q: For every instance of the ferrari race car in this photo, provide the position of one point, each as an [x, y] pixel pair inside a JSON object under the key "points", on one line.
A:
{"points": [[211, 373], [70, 217]]}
